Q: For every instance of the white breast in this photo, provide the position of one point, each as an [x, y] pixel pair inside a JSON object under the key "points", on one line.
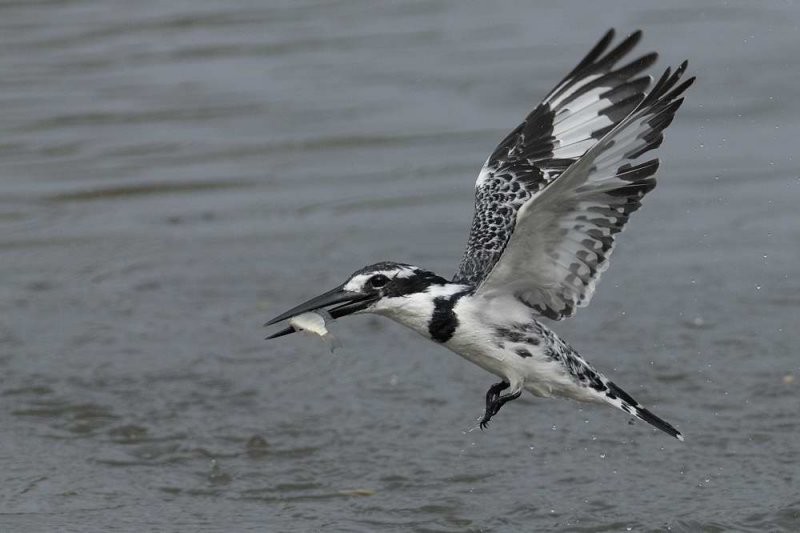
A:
{"points": [[476, 340]]}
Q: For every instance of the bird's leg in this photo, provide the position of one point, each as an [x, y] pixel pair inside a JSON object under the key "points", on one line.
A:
{"points": [[494, 401], [494, 392]]}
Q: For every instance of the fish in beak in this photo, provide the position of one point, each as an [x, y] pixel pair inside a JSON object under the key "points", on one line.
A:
{"points": [[348, 303]]}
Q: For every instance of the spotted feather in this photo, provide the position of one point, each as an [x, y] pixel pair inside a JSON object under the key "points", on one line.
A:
{"points": [[564, 235], [591, 100]]}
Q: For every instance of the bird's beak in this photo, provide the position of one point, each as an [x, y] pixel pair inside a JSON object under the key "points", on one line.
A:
{"points": [[350, 303]]}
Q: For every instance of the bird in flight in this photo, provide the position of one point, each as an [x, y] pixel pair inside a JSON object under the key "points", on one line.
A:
{"points": [[549, 203]]}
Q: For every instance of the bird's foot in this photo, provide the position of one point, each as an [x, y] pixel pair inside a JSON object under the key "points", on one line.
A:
{"points": [[495, 402], [494, 392], [492, 402]]}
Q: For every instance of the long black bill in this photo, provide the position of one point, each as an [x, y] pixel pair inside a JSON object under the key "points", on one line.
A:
{"points": [[351, 302]]}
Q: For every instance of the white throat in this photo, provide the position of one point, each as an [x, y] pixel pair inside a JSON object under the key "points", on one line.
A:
{"points": [[416, 310]]}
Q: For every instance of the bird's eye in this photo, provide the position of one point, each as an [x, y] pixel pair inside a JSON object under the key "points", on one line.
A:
{"points": [[378, 281]]}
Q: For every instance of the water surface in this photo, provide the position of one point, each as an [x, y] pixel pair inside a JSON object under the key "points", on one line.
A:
{"points": [[175, 173]]}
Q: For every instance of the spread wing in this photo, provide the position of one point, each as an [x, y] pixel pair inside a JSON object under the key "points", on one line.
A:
{"points": [[564, 233], [584, 106]]}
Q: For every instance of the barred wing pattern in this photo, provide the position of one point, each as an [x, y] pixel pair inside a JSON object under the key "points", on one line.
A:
{"points": [[564, 234], [584, 106]]}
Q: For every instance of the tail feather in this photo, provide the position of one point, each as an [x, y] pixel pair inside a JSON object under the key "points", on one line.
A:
{"points": [[625, 401]]}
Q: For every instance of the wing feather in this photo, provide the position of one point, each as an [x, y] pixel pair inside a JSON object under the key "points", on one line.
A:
{"points": [[588, 103], [565, 233]]}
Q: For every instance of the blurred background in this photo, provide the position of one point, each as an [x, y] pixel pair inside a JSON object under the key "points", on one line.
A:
{"points": [[174, 173]]}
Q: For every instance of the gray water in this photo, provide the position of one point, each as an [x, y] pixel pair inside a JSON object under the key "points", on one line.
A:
{"points": [[175, 173]]}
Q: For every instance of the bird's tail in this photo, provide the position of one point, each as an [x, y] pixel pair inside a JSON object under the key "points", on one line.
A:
{"points": [[621, 399]]}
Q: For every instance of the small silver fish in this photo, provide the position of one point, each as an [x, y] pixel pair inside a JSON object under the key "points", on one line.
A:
{"points": [[314, 322]]}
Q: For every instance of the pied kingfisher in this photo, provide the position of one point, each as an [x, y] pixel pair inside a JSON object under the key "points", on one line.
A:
{"points": [[549, 202]]}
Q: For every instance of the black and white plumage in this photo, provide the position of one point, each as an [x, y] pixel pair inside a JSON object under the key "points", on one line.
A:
{"points": [[549, 203]]}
